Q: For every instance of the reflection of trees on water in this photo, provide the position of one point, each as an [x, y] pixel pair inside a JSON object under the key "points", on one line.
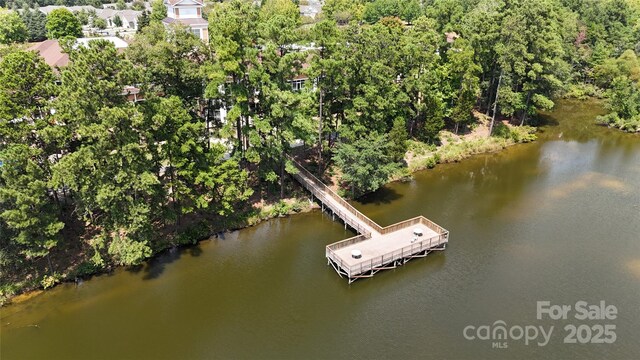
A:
{"points": [[501, 181], [575, 120], [508, 183], [478, 188]]}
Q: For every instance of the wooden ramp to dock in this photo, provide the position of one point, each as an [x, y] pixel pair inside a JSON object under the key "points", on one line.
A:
{"points": [[381, 248]]}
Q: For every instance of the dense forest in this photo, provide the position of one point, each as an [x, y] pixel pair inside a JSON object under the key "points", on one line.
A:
{"points": [[90, 180]]}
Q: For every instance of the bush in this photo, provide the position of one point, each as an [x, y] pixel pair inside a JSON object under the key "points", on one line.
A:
{"points": [[583, 91], [402, 174], [129, 252], [296, 206], [193, 234], [305, 20], [454, 152], [7, 291], [49, 281], [420, 148], [518, 134], [613, 120], [279, 209], [85, 269], [523, 134], [428, 162]]}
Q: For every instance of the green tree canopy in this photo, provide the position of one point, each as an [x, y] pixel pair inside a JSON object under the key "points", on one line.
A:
{"points": [[35, 21], [343, 11], [62, 23], [26, 85], [158, 11], [232, 37], [143, 20], [12, 28], [627, 65], [117, 21], [398, 137], [365, 164], [171, 59], [25, 207], [99, 23], [138, 5], [407, 10]]}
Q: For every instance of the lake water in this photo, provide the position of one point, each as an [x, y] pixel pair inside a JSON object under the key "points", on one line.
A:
{"points": [[556, 220]]}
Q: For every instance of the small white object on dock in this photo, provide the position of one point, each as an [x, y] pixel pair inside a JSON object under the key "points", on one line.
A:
{"points": [[375, 248]]}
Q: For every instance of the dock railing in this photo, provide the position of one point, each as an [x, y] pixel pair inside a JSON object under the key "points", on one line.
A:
{"points": [[392, 228], [367, 265], [416, 220], [366, 229], [380, 261], [330, 249], [319, 189]]}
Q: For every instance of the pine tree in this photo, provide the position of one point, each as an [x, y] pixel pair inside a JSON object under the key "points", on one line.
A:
{"points": [[35, 21], [398, 138], [143, 21]]}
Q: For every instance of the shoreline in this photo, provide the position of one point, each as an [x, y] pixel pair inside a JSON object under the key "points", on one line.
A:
{"points": [[267, 211], [457, 147], [419, 157]]}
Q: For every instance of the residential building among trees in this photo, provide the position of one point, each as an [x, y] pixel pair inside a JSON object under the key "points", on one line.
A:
{"points": [[189, 13]]}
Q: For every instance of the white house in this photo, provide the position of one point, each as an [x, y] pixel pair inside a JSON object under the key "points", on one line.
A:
{"points": [[128, 17], [189, 13]]}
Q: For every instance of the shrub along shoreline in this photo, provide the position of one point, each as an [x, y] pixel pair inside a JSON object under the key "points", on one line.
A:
{"points": [[419, 157], [455, 148], [190, 235]]}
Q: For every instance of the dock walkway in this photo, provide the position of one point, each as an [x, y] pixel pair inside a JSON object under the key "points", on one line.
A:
{"points": [[380, 248]]}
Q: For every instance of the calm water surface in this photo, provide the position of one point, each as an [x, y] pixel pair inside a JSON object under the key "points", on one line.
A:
{"points": [[555, 220]]}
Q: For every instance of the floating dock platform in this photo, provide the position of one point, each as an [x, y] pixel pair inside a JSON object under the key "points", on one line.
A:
{"points": [[374, 248]]}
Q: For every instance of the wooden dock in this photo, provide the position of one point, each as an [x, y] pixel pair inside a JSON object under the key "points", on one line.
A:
{"points": [[380, 247]]}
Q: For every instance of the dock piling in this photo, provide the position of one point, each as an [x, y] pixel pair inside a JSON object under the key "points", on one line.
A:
{"points": [[381, 248]]}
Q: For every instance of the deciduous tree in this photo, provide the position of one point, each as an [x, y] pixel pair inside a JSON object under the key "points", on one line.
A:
{"points": [[62, 23], [158, 11], [12, 28], [365, 164]]}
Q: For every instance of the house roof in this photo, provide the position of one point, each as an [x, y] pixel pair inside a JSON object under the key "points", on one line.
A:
{"points": [[130, 90], [50, 8], [106, 13], [119, 43], [54, 56], [129, 15], [176, 2], [195, 22], [51, 52]]}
